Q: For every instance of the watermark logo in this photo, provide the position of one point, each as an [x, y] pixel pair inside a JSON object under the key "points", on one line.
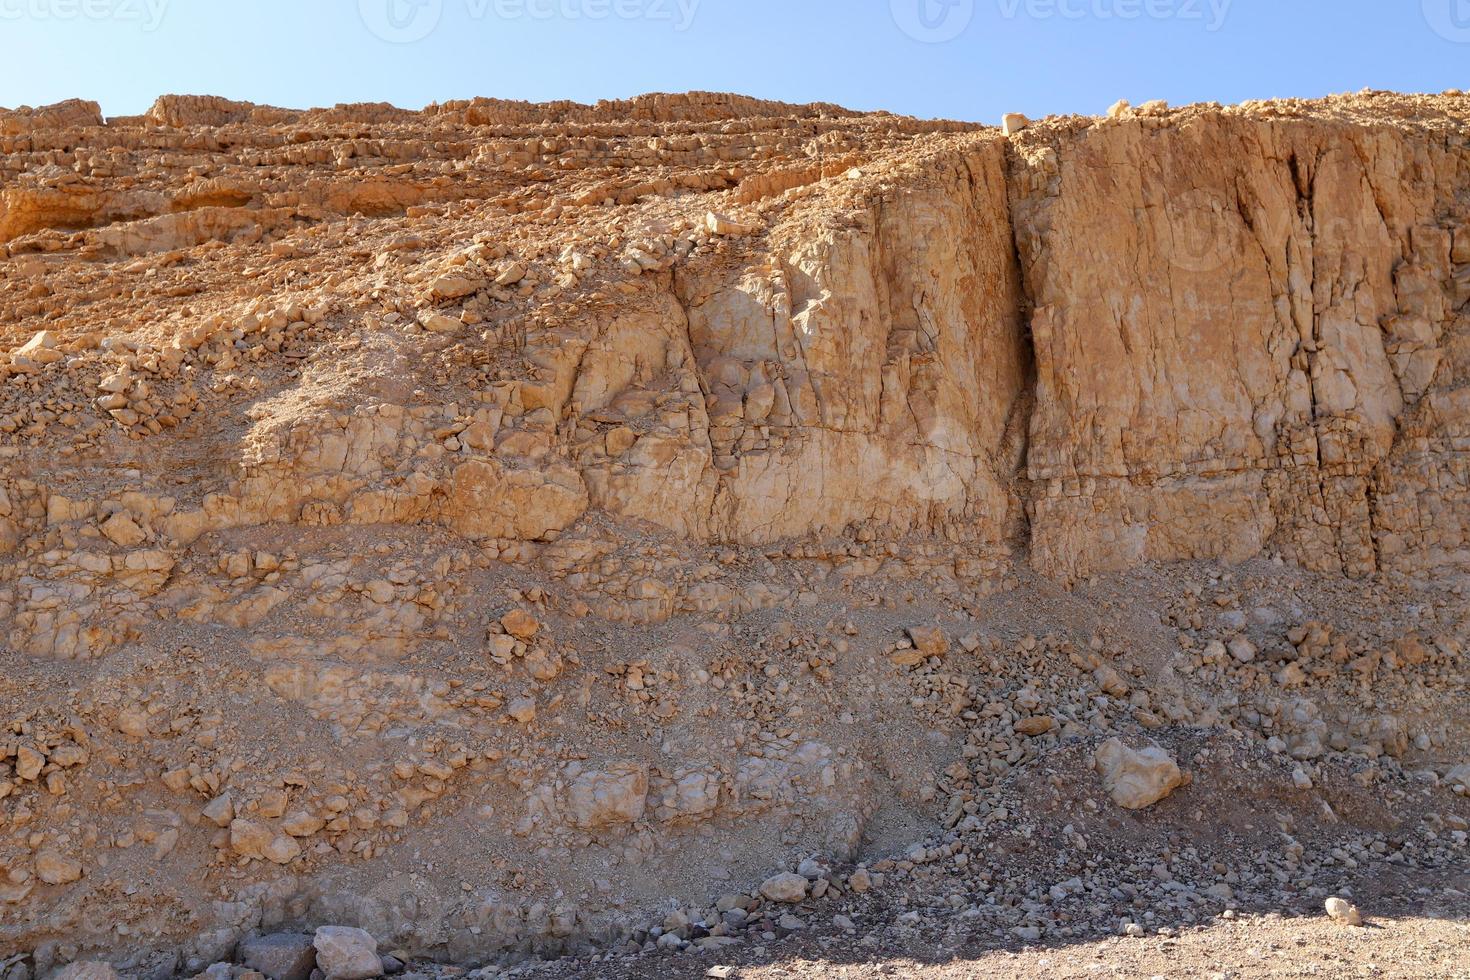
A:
{"points": [[401, 21], [407, 21], [1450, 19], [1210, 14], [147, 15], [1202, 234], [933, 21]]}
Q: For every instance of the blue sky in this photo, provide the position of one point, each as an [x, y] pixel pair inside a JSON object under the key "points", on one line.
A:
{"points": [[962, 59]]}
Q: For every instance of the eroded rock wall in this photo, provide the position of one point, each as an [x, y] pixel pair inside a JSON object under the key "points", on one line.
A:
{"points": [[484, 524], [867, 374], [1249, 335]]}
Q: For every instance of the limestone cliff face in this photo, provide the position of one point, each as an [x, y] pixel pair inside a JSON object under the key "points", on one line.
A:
{"points": [[867, 374], [1250, 333], [567, 483], [1212, 333]]}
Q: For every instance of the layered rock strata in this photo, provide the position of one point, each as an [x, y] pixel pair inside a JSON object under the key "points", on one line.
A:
{"points": [[479, 525]]}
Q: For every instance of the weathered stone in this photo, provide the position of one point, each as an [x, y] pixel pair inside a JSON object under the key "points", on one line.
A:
{"points": [[123, 531], [1038, 725], [610, 798], [302, 824], [1136, 778], [87, 970], [1243, 650], [511, 274], [1344, 912], [40, 349], [55, 868], [220, 811], [346, 954], [520, 624], [522, 710], [250, 839], [931, 641], [787, 888], [281, 850], [439, 323], [723, 225], [28, 763], [454, 287]]}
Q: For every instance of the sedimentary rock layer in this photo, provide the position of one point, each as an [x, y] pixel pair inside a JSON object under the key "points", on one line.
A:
{"points": [[1250, 334], [481, 524]]}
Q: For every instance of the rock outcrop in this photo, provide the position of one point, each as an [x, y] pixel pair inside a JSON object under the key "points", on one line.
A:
{"points": [[1249, 335], [480, 527]]}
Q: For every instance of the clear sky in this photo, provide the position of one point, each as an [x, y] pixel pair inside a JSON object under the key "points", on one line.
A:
{"points": [[962, 59]]}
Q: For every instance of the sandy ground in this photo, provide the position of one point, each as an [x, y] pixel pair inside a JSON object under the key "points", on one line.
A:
{"points": [[1411, 947]]}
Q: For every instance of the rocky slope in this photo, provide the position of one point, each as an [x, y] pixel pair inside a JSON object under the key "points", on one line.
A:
{"points": [[488, 525]]}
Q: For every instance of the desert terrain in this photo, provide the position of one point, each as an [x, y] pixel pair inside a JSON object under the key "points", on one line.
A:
{"points": [[700, 536]]}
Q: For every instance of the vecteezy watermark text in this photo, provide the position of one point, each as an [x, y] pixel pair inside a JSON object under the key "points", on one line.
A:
{"points": [[406, 21], [933, 21], [1210, 13], [937, 21], [146, 14], [1450, 19]]}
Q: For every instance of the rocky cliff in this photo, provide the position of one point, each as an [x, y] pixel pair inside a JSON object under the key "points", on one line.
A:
{"points": [[1250, 334], [441, 520]]}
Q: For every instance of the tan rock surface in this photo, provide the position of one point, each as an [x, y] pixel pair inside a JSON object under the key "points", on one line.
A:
{"points": [[1136, 778], [1249, 331], [499, 527]]}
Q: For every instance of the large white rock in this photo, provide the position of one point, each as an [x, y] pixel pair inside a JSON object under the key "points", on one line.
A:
{"points": [[1136, 778], [41, 348], [726, 227], [347, 954], [1013, 122], [1345, 912], [787, 888]]}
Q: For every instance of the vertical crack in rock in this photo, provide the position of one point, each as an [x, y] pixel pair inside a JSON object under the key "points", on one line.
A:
{"points": [[1165, 374]]}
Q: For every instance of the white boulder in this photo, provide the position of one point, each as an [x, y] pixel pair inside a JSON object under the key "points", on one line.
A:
{"points": [[1136, 778], [347, 954]]}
